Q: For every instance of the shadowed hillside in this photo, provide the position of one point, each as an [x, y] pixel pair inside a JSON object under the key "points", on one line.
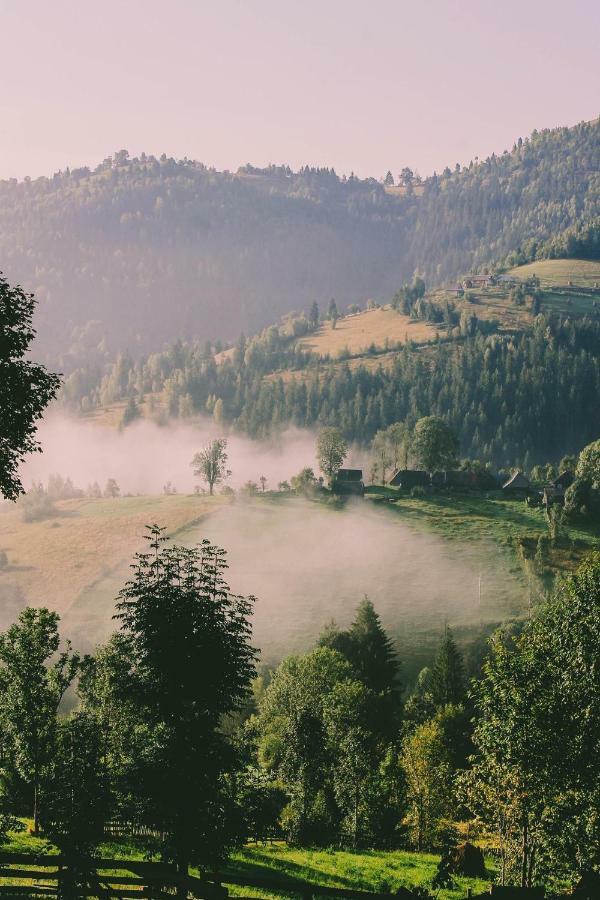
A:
{"points": [[138, 252]]}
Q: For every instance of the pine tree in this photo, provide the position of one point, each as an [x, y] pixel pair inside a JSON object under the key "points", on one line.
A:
{"points": [[448, 673], [372, 651]]}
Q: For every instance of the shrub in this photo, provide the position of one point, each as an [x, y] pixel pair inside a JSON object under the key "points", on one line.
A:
{"points": [[37, 504], [417, 491]]}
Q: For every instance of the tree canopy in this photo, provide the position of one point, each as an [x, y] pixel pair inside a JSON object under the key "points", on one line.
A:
{"points": [[26, 388]]}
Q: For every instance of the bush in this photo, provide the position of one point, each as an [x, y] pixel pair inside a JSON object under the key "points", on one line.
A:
{"points": [[417, 491], [3, 559], [37, 504]]}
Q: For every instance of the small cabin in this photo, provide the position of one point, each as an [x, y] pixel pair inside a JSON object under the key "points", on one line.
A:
{"points": [[564, 480], [517, 486], [464, 480], [552, 495], [409, 478], [348, 482]]}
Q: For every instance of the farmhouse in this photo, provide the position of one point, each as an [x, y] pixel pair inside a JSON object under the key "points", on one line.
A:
{"points": [[348, 482], [464, 480], [564, 480], [409, 478], [517, 486]]}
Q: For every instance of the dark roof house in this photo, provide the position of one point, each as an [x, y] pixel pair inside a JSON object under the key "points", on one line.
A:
{"points": [[409, 478], [564, 480], [348, 482], [463, 479], [518, 484]]}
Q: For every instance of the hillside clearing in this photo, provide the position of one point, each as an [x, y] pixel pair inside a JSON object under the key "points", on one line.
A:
{"points": [[553, 272], [53, 561], [356, 333], [511, 524]]}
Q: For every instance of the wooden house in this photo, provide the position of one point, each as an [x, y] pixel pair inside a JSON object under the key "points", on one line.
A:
{"points": [[517, 486], [409, 478], [464, 480], [348, 482], [564, 480]]}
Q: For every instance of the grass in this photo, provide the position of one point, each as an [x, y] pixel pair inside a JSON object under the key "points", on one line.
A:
{"points": [[368, 870], [478, 517], [553, 272], [358, 332], [56, 560]]}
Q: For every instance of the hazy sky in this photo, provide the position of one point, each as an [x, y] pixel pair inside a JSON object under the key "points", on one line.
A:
{"points": [[362, 86]]}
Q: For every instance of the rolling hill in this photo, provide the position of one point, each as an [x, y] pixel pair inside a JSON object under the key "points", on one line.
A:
{"points": [[141, 251]]}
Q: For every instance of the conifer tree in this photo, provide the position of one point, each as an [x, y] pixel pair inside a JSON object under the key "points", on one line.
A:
{"points": [[448, 673], [373, 654]]}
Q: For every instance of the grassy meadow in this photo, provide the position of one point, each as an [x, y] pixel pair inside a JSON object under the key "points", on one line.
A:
{"points": [[58, 559], [367, 870], [553, 272], [358, 332], [510, 524]]}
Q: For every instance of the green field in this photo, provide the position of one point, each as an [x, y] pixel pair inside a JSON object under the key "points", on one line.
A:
{"points": [[553, 272], [369, 870], [75, 558], [465, 517]]}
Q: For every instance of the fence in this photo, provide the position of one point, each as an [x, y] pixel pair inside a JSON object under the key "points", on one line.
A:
{"points": [[45, 875]]}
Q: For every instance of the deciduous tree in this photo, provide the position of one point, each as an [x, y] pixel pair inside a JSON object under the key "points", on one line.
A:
{"points": [[210, 464], [26, 388]]}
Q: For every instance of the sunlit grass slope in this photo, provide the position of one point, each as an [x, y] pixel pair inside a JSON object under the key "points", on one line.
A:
{"points": [[53, 561], [370, 870], [553, 272]]}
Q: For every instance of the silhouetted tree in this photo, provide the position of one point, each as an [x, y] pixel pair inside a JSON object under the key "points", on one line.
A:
{"points": [[25, 387]]}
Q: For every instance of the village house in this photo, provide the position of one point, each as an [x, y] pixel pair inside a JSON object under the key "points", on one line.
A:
{"points": [[410, 478], [348, 482], [517, 486]]}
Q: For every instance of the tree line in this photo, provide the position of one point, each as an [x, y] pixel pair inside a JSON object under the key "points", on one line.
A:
{"points": [[513, 400], [172, 730]]}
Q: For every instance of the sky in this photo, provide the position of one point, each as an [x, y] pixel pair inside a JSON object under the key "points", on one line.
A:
{"points": [[360, 86]]}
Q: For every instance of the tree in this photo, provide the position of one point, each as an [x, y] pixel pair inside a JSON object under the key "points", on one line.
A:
{"points": [[76, 798], [293, 742], [373, 654], [112, 489], [313, 316], [448, 673], [304, 482], [31, 688], [191, 666], [130, 413], [331, 451], [370, 652], [389, 179], [588, 465], [382, 455], [399, 440], [349, 714], [25, 387], [567, 464], [429, 783], [332, 313], [263, 482], [435, 445], [536, 771], [210, 464]]}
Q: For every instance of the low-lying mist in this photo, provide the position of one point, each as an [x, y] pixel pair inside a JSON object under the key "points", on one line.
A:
{"points": [[307, 563], [144, 456]]}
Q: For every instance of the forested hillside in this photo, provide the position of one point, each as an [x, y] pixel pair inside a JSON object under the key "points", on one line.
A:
{"points": [[140, 251], [513, 399]]}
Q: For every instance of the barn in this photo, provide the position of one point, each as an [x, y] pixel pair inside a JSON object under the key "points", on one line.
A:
{"points": [[348, 482]]}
